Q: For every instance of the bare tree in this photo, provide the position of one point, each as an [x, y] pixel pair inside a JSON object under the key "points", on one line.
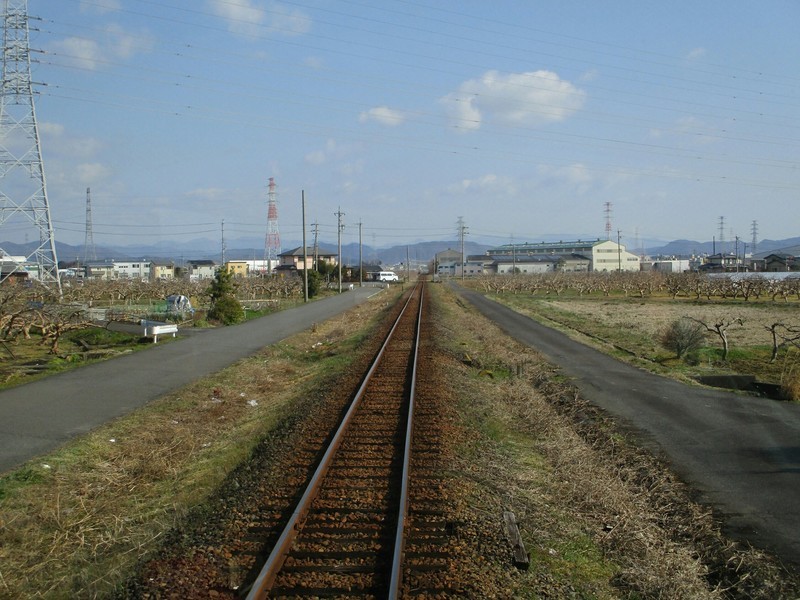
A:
{"points": [[720, 327], [791, 336]]}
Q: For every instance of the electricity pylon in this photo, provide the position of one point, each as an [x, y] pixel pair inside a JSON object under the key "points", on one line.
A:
{"points": [[23, 192]]}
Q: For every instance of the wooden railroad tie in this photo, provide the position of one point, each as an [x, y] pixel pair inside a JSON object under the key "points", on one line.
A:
{"points": [[521, 559]]}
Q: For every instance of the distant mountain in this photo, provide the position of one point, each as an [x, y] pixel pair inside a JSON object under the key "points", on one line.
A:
{"points": [[416, 253], [691, 247]]}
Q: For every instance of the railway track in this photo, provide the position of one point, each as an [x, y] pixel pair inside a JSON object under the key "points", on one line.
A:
{"points": [[348, 536]]}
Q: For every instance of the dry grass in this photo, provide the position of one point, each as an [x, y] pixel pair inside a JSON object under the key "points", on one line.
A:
{"points": [[650, 317], [75, 523]]}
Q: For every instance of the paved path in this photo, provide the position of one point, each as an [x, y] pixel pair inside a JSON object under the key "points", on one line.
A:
{"points": [[741, 452], [40, 416]]}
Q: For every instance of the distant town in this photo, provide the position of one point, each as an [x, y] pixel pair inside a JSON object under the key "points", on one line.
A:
{"points": [[597, 255]]}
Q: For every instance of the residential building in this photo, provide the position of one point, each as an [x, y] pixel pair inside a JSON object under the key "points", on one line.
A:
{"points": [[293, 259], [138, 269], [201, 269], [238, 268], [162, 270], [780, 261], [99, 270]]}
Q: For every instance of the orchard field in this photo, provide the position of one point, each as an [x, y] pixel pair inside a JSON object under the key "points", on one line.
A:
{"points": [[749, 326]]}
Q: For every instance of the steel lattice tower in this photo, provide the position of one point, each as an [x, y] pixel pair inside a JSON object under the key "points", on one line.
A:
{"points": [[89, 252], [272, 246], [23, 192]]}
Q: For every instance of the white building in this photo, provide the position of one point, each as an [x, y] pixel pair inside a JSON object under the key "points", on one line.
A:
{"points": [[603, 255], [137, 269], [201, 269]]}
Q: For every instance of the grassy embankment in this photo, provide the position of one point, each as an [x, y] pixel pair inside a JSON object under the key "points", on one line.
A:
{"points": [[75, 522]]}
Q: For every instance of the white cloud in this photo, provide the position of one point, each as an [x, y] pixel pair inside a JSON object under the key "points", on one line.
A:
{"points": [[252, 18], [577, 176], [382, 114], [79, 52], [318, 157], [54, 129], [289, 21], [243, 17], [91, 173], [352, 168], [118, 44], [696, 53], [531, 98], [489, 185], [125, 45]]}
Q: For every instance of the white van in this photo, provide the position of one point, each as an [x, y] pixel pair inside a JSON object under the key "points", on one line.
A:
{"points": [[388, 276]]}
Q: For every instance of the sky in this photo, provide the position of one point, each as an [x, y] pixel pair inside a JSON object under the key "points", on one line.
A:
{"points": [[519, 120]]}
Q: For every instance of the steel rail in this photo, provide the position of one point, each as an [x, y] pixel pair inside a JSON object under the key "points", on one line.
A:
{"points": [[396, 578], [272, 566]]}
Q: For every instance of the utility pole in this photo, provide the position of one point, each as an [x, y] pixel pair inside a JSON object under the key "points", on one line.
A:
{"points": [[360, 258], [462, 231], [305, 248], [89, 252], [339, 214], [619, 254], [223, 243], [23, 190], [513, 256], [315, 226]]}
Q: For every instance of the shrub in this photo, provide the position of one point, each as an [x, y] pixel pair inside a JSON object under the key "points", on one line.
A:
{"points": [[227, 310], [682, 336], [224, 305]]}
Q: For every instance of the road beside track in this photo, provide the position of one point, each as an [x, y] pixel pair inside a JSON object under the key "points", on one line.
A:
{"points": [[40, 416], [741, 453]]}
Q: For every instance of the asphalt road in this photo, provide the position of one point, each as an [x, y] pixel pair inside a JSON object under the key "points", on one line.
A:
{"points": [[741, 453], [38, 417]]}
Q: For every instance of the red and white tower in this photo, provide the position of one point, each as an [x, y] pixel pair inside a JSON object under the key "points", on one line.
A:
{"points": [[272, 246]]}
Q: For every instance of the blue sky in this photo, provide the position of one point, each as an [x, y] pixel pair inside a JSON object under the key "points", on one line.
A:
{"points": [[523, 118]]}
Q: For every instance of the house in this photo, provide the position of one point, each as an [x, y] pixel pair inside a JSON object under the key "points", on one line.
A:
{"points": [[238, 268], [780, 262], [99, 270], [138, 269], [201, 269], [721, 263], [162, 270], [13, 271], [292, 260]]}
